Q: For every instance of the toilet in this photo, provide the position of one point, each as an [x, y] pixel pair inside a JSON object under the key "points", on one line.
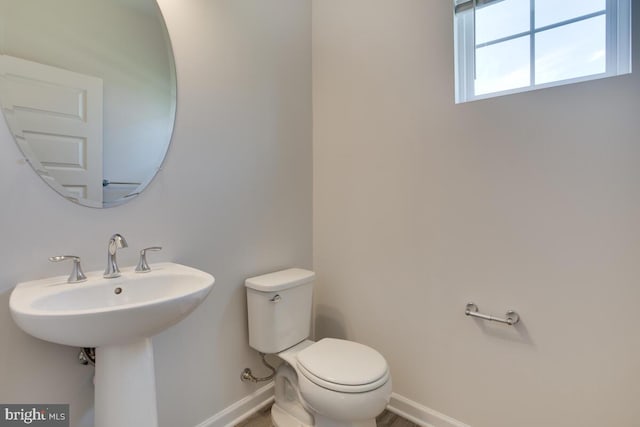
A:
{"points": [[329, 383]]}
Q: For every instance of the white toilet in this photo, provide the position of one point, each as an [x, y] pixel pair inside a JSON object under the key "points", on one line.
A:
{"points": [[329, 383]]}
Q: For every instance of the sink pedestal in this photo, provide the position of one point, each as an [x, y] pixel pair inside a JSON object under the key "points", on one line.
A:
{"points": [[125, 386]]}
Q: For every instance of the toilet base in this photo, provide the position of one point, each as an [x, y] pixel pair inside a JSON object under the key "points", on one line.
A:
{"points": [[328, 422], [281, 418]]}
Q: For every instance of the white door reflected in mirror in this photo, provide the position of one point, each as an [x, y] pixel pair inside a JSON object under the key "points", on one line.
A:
{"points": [[88, 90]]}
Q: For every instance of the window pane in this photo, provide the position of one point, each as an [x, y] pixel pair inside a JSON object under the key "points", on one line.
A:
{"points": [[552, 11], [570, 51], [502, 66], [502, 19]]}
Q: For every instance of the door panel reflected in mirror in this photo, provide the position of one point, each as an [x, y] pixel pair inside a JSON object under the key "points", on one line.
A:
{"points": [[88, 90]]}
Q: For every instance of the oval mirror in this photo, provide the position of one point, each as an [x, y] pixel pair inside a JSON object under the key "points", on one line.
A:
{"points": [[88, 90]]}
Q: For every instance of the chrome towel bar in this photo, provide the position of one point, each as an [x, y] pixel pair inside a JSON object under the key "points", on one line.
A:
{"points": [[511, 317]]}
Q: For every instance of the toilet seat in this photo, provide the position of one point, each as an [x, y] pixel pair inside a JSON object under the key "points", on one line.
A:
{"points": [[343, 366]]}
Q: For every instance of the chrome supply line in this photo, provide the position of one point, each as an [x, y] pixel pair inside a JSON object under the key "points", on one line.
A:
{"points": [[247, 375], [87, 356], [511, 317]]}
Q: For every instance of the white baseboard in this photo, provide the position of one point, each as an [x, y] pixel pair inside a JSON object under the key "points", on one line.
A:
{"points": [[242, 409], [406, 408], [419, 414]]}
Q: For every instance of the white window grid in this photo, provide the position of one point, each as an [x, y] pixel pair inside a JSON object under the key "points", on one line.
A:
{"points": [[618, 47]]}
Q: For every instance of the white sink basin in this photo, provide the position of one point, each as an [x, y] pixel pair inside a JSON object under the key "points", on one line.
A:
{"points": [[118, 317], [102, 311]]}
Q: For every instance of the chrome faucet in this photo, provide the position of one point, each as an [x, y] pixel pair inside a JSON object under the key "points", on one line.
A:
{"points": [[115, 242]]}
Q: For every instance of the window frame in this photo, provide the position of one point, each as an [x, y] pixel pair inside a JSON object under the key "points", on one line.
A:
{"points": [[618, 46]]}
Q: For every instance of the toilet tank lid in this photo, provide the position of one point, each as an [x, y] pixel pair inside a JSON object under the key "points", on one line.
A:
{"points": [[280, 280]]}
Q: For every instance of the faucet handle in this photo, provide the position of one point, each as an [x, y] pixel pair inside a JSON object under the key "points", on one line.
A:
{"points": [[76, 275], [143, 266]]}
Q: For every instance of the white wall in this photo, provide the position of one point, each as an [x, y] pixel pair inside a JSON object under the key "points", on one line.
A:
{"points": [[528, 202], [233, 199]]}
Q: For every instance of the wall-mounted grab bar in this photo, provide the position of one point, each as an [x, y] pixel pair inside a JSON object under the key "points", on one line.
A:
{"points": [[511, 317]]}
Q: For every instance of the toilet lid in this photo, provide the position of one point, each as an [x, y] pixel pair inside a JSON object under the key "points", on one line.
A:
{"points": [[343, 365]]}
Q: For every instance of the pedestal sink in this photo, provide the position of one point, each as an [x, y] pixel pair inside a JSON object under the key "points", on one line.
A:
{"points": [[118, 317]]}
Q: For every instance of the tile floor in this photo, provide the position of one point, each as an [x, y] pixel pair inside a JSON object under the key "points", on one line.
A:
{"points": [[387, 419]]}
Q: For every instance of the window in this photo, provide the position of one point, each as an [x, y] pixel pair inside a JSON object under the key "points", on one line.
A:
{"points": [[507, 46]]}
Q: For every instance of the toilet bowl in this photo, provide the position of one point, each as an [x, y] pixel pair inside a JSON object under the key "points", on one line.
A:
{"points": [[329, 383]]}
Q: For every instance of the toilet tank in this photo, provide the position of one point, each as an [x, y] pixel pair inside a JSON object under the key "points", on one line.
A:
{"points": [[279, 309]]}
